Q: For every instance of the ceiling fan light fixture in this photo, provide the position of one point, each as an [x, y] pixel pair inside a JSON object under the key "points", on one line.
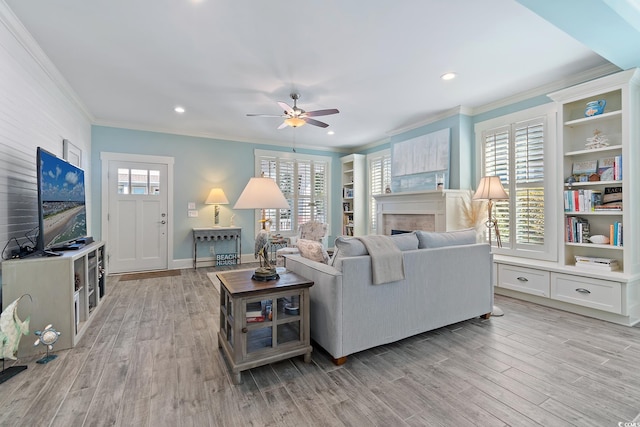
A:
{"points": [[294, 122]]}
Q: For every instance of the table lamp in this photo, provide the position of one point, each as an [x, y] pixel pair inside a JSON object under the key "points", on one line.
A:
{"points": [[216, 198], [262, 193], [490, 189]]}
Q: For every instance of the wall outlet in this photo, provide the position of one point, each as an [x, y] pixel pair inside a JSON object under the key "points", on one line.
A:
{"points": [[212, 250], [191, 205], [193, 214]]}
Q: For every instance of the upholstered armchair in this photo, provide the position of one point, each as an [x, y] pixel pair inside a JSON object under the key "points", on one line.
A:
{"points": [[311, 230]]}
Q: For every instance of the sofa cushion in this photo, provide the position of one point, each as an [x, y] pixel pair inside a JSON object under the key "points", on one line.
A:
{"points": [[312, 250], [352, 246], [429, 239], [406, 241]]}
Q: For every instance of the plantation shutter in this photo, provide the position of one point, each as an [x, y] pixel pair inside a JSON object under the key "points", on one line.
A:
{"points": [[496, 153], [515, 153], [304, 184], [529, 182], [379, 179]]}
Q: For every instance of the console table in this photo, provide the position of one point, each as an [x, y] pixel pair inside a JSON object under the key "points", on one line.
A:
{"points": [[215, 234], [263, 322]]}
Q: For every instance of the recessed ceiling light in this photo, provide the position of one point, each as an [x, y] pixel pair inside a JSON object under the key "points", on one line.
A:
{"points": [[330, 132], [448, 76], [179, 109]]}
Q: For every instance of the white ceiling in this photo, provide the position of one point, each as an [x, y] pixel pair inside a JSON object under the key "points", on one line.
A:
{"points": [[379, 62]]}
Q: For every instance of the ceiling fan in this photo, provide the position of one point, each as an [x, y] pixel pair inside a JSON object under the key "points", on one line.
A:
{"points": [[296, 117]]}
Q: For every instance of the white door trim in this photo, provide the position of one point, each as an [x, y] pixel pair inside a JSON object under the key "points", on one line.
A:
{"points": [[106, 157]]}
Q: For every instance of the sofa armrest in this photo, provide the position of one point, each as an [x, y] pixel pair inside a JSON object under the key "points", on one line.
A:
{"points": [[326, 299]]}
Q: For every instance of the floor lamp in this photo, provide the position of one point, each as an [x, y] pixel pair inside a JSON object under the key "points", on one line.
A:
{"points": [[490, 189], [262, 193]]}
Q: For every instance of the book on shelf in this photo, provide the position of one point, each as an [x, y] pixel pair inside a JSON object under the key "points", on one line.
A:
{"points": [[582, 200], [595, 260], [615, 234], [255, 316], [605, 168], [598, 267], [586, 167], [577, 229]]}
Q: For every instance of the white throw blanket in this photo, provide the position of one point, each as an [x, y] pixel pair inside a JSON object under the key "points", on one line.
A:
{"points": [[386, 259]]}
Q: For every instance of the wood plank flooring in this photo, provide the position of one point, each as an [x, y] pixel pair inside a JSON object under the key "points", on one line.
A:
{"points": [[151, 358]]}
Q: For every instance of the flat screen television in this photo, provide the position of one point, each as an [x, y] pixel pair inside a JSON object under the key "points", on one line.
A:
{"points": [[61, 203]]}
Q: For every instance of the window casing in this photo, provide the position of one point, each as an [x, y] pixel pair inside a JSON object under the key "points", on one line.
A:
{"points": [[379, 171], [304, 181], [519, 148]]}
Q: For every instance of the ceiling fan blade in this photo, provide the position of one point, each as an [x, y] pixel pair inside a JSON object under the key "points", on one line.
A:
{"points": [[316, 123], [283, 125], [286, 108], [320, 112], [266, 115]]}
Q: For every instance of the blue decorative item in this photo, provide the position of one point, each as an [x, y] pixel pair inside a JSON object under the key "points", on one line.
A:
{"points": [[47, 337], [595, 107]]}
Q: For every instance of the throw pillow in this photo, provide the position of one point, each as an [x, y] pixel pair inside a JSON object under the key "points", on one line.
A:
{"points": [[430, 240], [406, 241], [313, 250]]}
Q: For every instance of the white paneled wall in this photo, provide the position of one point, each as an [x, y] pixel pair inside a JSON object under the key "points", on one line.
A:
{"points": [[37, 108]]}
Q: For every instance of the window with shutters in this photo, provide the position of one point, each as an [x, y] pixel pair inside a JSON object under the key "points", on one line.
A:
{"points": [[379, 178], [304, 181], [519, 151]]}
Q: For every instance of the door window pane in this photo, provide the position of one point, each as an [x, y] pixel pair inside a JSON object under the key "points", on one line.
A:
{"points": [[139, 181]]}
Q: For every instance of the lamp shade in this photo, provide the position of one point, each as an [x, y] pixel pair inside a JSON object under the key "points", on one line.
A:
{"points": [[216, 197], [490, 188], [261, 193]]}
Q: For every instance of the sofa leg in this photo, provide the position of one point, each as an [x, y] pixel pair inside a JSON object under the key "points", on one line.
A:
{"points": [[340, 361], [486, 315]]}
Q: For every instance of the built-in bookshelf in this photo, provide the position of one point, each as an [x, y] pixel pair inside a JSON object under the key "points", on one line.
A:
{"points": [[597, 272], [354, 215]]}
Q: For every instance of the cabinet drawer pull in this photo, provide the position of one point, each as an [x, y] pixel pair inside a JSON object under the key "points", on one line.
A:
{"points": [[244, 330], [583, 290], [523, 279]]}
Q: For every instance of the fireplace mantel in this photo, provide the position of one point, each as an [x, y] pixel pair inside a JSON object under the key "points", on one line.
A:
{"points": [[436, 210]]}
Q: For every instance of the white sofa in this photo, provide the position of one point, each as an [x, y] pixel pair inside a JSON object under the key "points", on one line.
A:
{"points": [[442, 285]]}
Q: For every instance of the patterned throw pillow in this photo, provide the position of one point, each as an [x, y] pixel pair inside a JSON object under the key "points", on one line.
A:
{"points": [[313, 250]]}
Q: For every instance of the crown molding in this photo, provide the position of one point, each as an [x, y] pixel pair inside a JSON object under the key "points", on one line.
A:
{"points": [[432, 119], [31, 46], [224, 138]]}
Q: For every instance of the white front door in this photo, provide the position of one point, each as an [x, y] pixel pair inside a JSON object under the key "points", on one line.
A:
{"points": [[137, 218]]}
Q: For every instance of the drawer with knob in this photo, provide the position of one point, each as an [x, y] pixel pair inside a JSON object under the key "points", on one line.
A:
{"points": [[599, 294], [522, 279]]}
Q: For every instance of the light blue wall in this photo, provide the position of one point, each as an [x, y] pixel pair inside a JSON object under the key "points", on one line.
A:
{"points": [[200, 164], [203, 163]]}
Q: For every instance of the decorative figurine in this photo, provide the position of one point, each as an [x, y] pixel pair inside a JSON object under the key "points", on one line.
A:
{"points": [[597, 140], [47, 337], [595, 107], [11, 330]]}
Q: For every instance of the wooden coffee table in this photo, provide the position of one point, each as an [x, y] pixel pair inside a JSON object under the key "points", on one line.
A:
{"points": [[263, 322]]}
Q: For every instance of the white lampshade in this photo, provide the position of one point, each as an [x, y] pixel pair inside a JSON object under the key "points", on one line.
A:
{"points": [[261, 193], [490, 188], [216, 197]]}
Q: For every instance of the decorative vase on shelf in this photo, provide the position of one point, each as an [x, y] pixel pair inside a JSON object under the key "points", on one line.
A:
{"points": [[595, 107]]}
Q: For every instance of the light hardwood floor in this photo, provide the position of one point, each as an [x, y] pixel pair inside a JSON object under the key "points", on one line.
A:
{"points": [[151, 358]]}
